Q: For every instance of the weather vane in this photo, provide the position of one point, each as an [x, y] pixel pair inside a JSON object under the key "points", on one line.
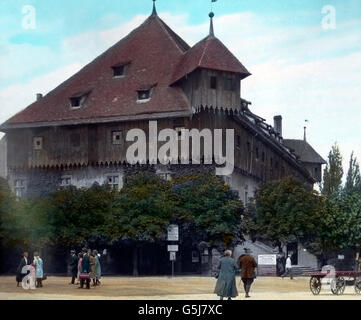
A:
{"points": [[212, 4]]}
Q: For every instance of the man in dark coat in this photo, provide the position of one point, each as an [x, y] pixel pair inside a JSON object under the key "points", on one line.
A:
{"points": [[226, 282], [73, 266], [24, 261], [248, 264]]}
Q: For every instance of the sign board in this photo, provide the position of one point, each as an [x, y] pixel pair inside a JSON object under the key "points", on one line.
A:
{"points": [[341, 257], [267, 259], [173, 248], [173, 232], [172, 256]]}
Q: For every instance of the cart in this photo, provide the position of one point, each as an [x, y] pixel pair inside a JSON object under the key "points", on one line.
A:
{"points": [[337, 281]]}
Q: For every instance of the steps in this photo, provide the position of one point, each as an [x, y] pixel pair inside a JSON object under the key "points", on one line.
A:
{"points": [[303, 270]]}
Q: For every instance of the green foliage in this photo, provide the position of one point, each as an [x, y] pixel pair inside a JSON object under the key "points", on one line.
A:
{"points": [[23, 223], [79, 216], [283, 212], [353, 178], [207, 209], [332, 176], [144, 208]]}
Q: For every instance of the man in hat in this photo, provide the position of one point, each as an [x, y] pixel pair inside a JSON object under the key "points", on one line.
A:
{"points": [[24, 261], [288, 268], [248, 264], [73, 266]]}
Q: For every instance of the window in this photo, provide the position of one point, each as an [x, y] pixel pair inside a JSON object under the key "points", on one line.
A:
{"points": [[75, 140], [113, 181], [213, 83], [271, 162], [246, 197], [180, 132], [229, 84], [316, 171], [248, 147], [257, 154], [117, 137], [19, 188], [118, 71], [263, 157], [165, 176], [38, 143], [143, 94], [65, 181], [75, 102]]}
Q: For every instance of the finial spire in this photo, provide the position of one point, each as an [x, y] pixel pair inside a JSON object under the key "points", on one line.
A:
{"points": [[211, 29], [154, 13], [304, 131]]}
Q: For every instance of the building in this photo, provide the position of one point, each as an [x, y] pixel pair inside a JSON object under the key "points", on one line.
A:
{"points": [[3, 158], [75, 135]]}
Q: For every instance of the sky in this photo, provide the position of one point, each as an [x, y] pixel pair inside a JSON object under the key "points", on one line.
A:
{"points": [[304, 56]]}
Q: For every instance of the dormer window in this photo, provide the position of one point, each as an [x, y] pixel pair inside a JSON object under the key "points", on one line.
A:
{"points": [[143, 95], [75, 102], [118, 71]]}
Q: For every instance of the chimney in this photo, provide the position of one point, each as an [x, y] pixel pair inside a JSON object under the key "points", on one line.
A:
{"points": [[39, 96], [278, 124]]}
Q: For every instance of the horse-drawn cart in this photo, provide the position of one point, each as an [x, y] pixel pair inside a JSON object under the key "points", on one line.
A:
{"points": [[336, 280]]}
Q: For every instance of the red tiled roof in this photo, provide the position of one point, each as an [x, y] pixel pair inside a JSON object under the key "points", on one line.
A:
{"points": [[153, 49], [155, 56], [210, 53]]}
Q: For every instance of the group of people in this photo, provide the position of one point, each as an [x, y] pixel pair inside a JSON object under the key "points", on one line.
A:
{"points": [[37, 263], [85, 267], [227, 270]]}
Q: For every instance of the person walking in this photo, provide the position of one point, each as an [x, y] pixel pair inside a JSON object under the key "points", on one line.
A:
{"points": [[24, 261], [93, 270], [73, 266], [97, 267], [226, 282], [85, 270], [248, 264], [80, 260], [288, 268], [39, 270]]}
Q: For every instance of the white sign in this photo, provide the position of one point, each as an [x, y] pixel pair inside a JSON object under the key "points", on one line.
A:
{"points": [[172, 256], [173, 232], [173, 248], [341, 257], [267, 259]]}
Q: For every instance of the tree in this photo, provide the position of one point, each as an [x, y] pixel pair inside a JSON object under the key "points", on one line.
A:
{"points": [[353, 178], [332, 177], [208, 209], [282, 212], [78, 217], [143, 211]]}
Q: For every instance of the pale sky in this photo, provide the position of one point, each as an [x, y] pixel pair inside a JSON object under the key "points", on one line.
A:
{"points": [[303, 65]]}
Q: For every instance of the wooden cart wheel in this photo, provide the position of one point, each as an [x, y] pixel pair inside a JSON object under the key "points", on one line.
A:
{"points": [[358, 285], [338, 285], [315, 285]]}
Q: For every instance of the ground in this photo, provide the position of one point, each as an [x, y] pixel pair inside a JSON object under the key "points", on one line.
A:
{"points": [[166, 288]]}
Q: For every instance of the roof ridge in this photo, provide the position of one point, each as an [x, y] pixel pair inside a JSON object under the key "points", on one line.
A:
{"points": [[171, 34], [204, 49]]}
